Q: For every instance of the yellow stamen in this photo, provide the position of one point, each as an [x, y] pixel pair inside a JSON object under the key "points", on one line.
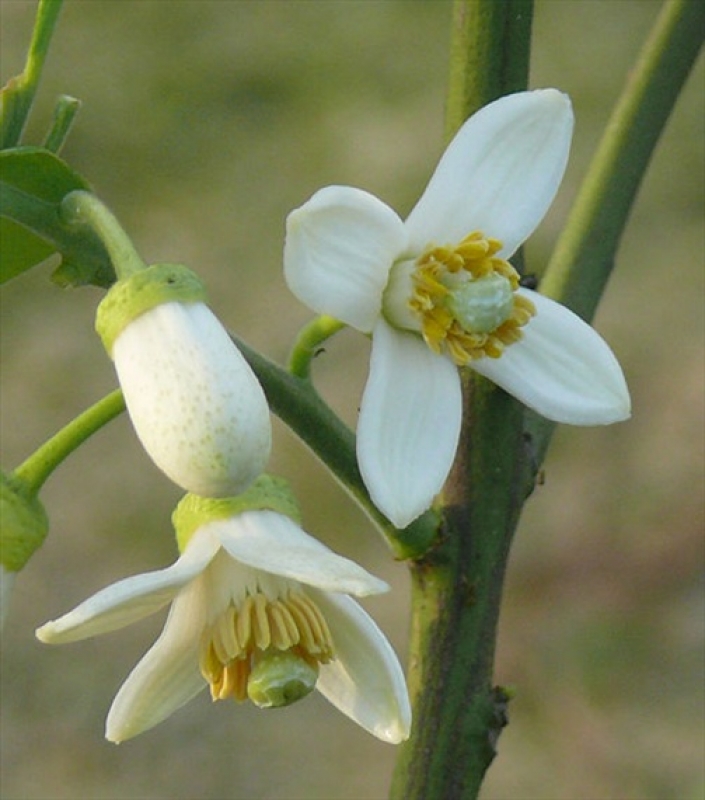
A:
{"points": [[445, 278], [232, 645]]}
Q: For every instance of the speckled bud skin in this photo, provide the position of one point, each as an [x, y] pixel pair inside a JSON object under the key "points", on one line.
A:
{"points": [[194, 401]]}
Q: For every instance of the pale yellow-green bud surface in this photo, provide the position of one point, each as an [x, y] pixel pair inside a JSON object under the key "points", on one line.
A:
{"points": [[142, 291]]}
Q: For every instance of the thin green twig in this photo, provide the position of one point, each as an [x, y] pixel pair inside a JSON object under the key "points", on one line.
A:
{"points": [[34, 470], [308, 343], [18, 95], [585, 253]]}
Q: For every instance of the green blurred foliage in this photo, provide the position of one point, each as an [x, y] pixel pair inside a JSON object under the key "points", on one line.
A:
{"points": [[204, 122]]}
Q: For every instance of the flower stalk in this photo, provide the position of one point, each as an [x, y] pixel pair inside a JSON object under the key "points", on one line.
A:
{"points": [[308, 343], [34, 471], [84, 209]]}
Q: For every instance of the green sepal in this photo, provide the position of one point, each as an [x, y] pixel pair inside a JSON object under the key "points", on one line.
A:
{"points": [[33, 182], [268, 492], [131, 297], [23, 523]]}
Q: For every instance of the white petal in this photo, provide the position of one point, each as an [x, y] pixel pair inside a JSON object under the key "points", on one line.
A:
{"points": [[365, 681], [409, 424], [274, 543], [339, 248], [196, 405], [561, 368], [500, 173], [130, 599], [167, 676]]}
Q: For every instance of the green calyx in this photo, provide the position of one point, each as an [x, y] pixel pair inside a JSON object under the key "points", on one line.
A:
{"points": [[131, 297], [267, 492], [23, 523], [280, 678]]}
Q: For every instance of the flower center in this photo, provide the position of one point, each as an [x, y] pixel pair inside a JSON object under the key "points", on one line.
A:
{"points": [[267, 650], [465, 299]]}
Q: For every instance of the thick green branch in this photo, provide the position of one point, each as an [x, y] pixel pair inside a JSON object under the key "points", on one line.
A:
{"points": [[457, 587], [456, 593], [489, 55]]}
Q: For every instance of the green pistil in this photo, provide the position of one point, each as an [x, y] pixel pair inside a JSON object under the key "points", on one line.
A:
{"points": [[482, 305], [280, 678]]}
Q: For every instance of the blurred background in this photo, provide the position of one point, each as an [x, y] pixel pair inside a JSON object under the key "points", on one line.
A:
{"points": [[203, 124]]}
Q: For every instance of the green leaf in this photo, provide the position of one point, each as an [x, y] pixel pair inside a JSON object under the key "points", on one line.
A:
{"points": [[20, 249], [33, 182]]}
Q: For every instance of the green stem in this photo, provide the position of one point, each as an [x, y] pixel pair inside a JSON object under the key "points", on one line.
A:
{"points": [[585, 252], [83, 209], [308, 343], [64, 114], [34, 471], [295, 401], [457, 586], [489, 55], [456, 595], [20, 92], [584, 255], [74, 244]]}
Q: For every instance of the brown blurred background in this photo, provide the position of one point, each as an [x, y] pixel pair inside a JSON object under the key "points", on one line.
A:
{"points": [[203, 124]]}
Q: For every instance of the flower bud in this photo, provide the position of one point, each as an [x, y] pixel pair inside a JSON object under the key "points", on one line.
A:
{"points": [[193, 399]]}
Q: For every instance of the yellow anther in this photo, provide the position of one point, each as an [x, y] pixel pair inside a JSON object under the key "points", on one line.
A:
{"points": [[466, 300], [237, 640]]}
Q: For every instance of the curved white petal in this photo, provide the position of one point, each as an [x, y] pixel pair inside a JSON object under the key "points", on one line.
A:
{"points": [[500, 173], [130, 599], [365, 681], [168, 674], [339, 248], [561, 368], [274, 543], [409, 423], [194, 401]]}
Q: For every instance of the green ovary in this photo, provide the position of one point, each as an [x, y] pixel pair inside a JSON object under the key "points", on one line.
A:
{"points": [[280, 678], [482, 305]]}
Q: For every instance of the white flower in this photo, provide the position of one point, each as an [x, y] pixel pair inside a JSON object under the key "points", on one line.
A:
{"points": [[194, 402], [436, 292], [259, 608]]}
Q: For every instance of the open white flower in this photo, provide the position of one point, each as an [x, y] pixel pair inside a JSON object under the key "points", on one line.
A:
{"points": [[195, 403], [436, 292], [259, 609]]}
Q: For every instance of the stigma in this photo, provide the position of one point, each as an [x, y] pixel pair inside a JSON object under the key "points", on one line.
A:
{"points": [[266, 649], [465, 300]]}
